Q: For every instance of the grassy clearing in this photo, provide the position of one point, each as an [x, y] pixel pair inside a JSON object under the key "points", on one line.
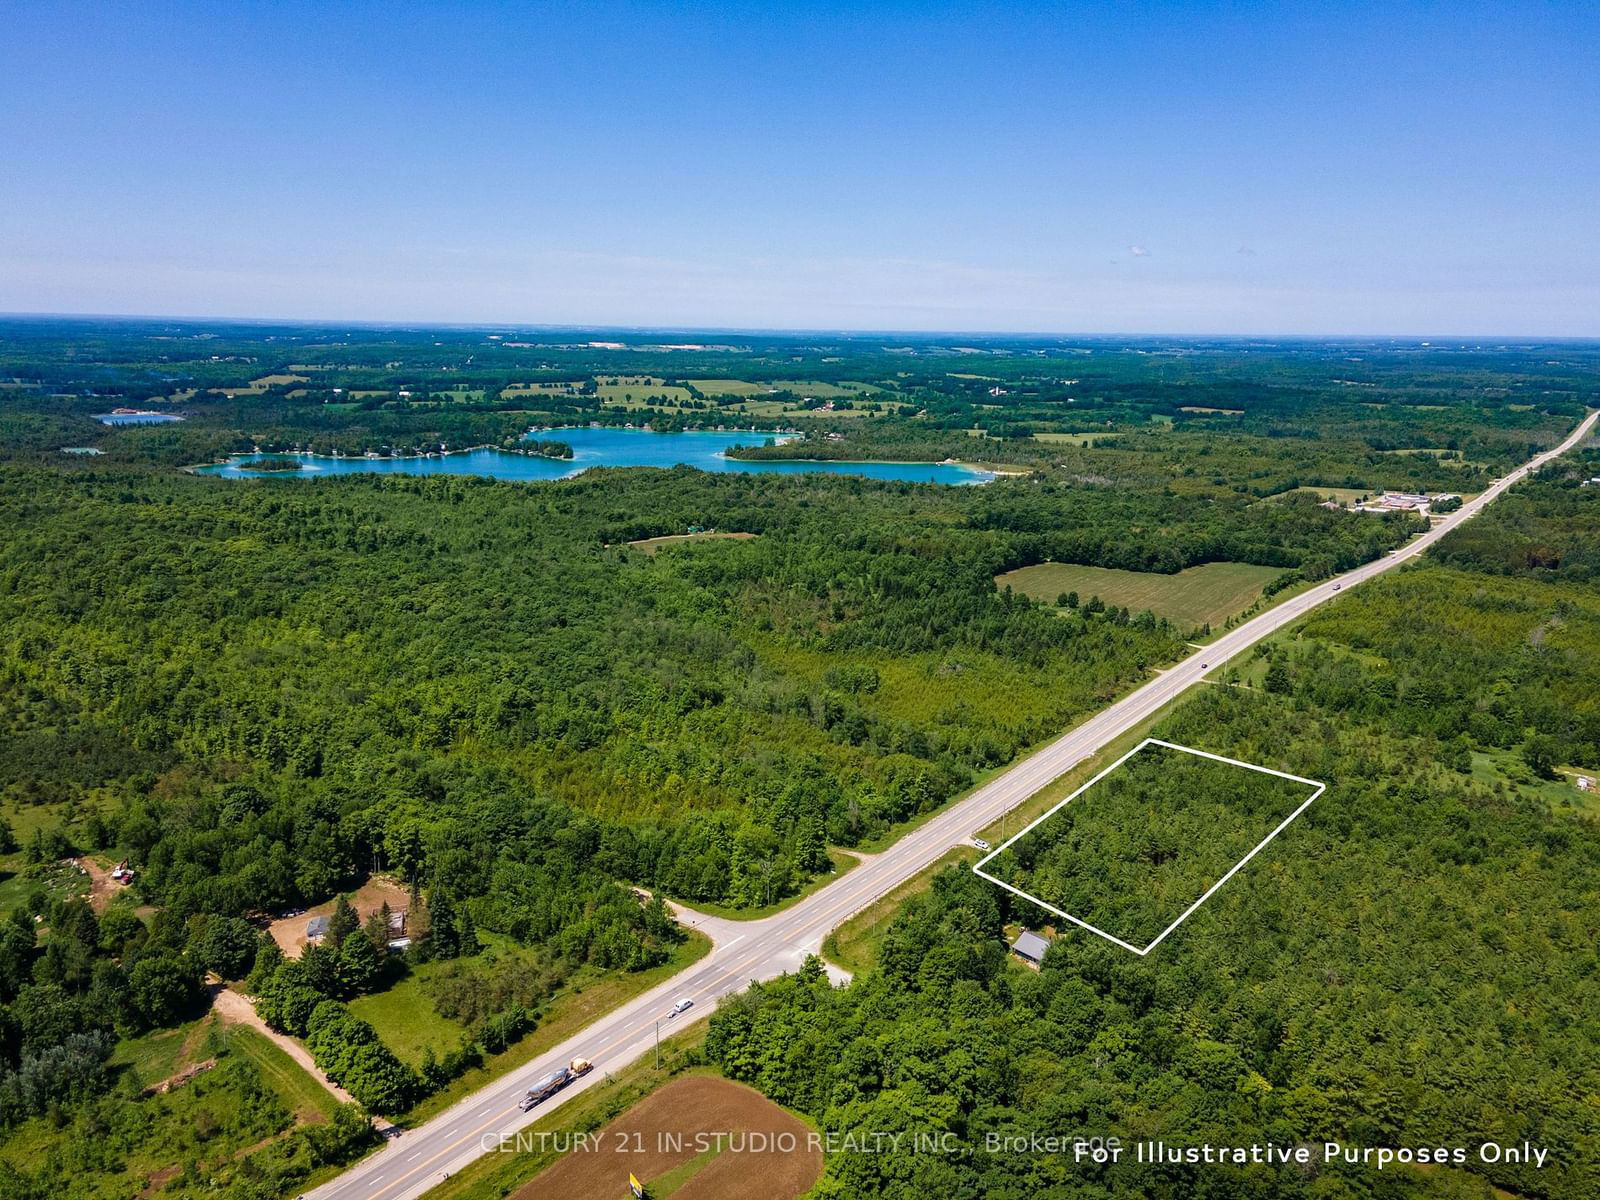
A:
{"points": [[1507, 767], [301, 1094], [731, 387], [27, 819], [154, 1056], [257, 387], [771, 410], [18, 881], [651, 545], [584, 998], [668, 1182], [405, 1018], [519, 390], [854, 945], [495, 1176], [1344, 496], [1210, 593]]}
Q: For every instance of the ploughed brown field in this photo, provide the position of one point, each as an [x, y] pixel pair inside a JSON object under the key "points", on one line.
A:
{"points": [[699, 1138]]}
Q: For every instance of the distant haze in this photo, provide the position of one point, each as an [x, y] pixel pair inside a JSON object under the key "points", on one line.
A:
{"points": [[1183, 168]]}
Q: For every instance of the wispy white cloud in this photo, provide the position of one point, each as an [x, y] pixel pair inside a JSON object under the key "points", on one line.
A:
{"points": [[1139, 251]]}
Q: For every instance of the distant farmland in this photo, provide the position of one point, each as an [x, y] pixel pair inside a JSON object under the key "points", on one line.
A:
{"points": [[802, 387], [1209, 593]]}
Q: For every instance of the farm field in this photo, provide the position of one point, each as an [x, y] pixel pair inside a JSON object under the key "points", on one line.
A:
{"points": [[1212, 592], [259, 386], [801, 387], [685, 1141], [1345, 496], [653, 394], [770, 410], [1071, 439]]}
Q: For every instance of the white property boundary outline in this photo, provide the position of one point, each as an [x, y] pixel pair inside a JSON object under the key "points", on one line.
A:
{"points": [[1317, 789]]}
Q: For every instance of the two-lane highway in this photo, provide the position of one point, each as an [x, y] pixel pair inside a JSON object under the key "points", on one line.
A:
{"points": [[749, 950]]}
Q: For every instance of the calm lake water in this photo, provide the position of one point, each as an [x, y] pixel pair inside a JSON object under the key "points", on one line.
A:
{"points": [[600, 448], [141, 418]]}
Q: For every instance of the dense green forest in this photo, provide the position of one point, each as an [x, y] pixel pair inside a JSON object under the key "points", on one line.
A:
{"points": [[388, 644], [1411, 963], [1548, 528], [260, 693], [1135, 850]]}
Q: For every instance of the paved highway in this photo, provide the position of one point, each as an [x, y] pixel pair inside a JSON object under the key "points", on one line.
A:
{"points": [[750, 950]]}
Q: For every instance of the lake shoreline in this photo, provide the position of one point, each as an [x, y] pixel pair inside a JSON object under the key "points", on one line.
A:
{"points": [[588, 456], [229, 460]]}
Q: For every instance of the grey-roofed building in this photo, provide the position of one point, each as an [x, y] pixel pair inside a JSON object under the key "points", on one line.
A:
{"points": [[316, 928], [1030, 947]]}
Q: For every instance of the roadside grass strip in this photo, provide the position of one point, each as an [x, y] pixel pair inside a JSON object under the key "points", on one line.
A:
{"points": [[1156, 828]]}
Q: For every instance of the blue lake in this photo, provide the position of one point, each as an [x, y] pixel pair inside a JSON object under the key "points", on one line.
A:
{"points": [[607, 447], [135, 418]]}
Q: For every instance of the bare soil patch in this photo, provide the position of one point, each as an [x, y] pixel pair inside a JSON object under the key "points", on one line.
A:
{"points": [[738, 1140], [290, 932], [101, 886]]}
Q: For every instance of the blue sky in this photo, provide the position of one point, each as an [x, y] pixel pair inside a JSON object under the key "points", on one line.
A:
{"points": [[1166, 168]]}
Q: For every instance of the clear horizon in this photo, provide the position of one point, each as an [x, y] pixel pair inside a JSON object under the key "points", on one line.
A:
{"points": [[379, 323], [1409, 171]]}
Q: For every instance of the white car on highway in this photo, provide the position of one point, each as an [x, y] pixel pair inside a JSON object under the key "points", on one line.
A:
{"points": [[681, 1006]]}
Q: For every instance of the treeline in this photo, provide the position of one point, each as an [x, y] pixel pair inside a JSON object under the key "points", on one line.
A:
{"points": [[460, 646], [1295, 532]]}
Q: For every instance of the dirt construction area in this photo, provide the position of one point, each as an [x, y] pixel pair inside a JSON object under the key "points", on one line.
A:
{"points": [[696, 1139], [290, 932]]}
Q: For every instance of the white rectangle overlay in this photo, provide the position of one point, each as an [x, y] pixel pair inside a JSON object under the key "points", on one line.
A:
{"points": [[1317, 789]]}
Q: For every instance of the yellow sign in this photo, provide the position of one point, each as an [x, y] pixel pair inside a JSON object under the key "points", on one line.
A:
{"points": [[635, 1187]]}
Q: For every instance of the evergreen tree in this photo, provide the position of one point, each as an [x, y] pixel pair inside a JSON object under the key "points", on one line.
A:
{"points": [[342, 923], [444, 936], [376, 928]]}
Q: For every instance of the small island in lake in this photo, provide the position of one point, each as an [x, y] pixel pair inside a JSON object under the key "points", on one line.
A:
{"points": [[546, 449], [273, 465]]}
